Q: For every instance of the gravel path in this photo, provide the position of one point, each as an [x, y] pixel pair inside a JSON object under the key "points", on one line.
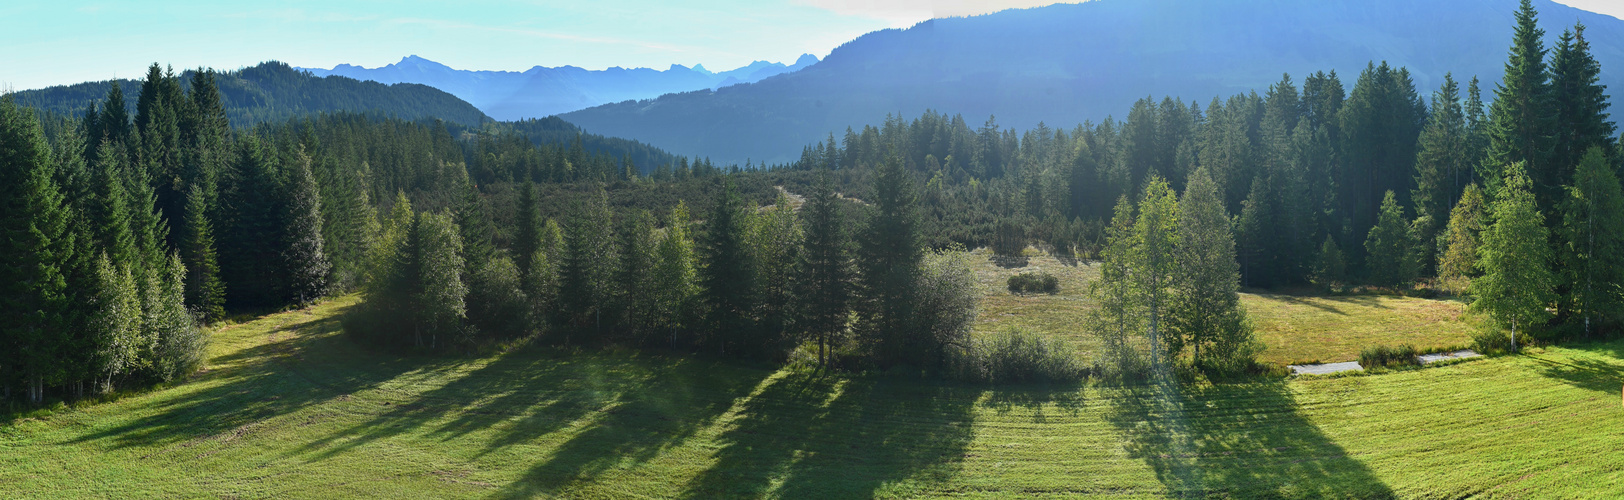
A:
{"points": [[1444, 356]]}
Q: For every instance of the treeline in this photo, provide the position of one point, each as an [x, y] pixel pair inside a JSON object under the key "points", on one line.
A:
{"points": [[746, 282]]}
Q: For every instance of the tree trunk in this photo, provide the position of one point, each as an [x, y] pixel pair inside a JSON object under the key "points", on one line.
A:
{"points": [[1513, 335]]}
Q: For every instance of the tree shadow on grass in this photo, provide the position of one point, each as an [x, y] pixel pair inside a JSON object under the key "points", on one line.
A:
{"points": [[1596, 374], [1303, 301], [809, 435], [1236, 440], [313, 364]]}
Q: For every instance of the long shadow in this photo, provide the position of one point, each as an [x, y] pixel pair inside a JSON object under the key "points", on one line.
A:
{"points": [[1236, 440], [256, 384], [640, 415], [1297, 300], [812, 436], [1592, 374]]}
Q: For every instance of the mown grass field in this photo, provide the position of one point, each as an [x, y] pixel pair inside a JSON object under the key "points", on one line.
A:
{"points": [[290, 408], [1293, 328]]}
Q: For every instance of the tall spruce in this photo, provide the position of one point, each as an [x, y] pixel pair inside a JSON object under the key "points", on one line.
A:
{"points": [[1389, 248], [204, 292], [1579, 102], [1521, 120], [825, 270], [776, 242], [728, 276], [889, 255], [303, 257], [634, 277], [587, 273], [38, 247], [1442, 166], [1517, 283]]}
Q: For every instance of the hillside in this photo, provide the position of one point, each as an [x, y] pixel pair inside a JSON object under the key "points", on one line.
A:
{"points": [[540, 91], [1064, 64], [274, 92]]}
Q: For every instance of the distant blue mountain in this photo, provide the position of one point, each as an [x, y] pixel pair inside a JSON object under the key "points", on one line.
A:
{"points": [[540, 92], [1064, 64]]}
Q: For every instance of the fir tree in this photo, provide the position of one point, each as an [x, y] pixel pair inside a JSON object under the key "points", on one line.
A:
{"points": [[1442, 166], [1517, 283], [303, 258], [38, 247], [777, 239], [1330, 268], [1521, 118], [1579, 102], [635, 272], [728, 273], [587, 272], [204, 291], [889, 255]]}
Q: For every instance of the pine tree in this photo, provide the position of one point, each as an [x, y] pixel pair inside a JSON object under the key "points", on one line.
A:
{"points": [[1517, 283], [1389, 249], [1521, 119], [204, 291], [675, 281], [1205, 306], [728, 273], [824, 284], [38, 247], [1592, 250], [889, 255], [304, 266]]}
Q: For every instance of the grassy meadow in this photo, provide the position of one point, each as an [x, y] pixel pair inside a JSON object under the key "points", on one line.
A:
{"points": [[288, 407]]}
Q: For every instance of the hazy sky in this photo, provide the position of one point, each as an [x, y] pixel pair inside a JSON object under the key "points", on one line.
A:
{"points": [[56, 42]]}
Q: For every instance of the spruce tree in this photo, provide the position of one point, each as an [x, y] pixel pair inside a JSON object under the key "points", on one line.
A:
{"points": [[728, 273], [634, 279], [250, 258], [1521, 119], [304, 266], [1259, 235], [204, 291], [1592, 250], [586, 275], [1517, 283], [1442, 166], [824, 284], [1330, 267], [1579, 101], [889, 255], [1205, 306], [109, 210], [527, 230], [38, 247], [1389, 249]]}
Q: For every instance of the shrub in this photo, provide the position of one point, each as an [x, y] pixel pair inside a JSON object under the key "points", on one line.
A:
{"points": [[1025, 283], [1388, 357], [1016, 356]]}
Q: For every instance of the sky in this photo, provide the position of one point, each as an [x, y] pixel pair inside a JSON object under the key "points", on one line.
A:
{"points": [[69, 41]]}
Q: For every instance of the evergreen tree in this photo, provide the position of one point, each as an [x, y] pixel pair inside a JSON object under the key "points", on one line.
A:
{"points": [[109, 211], [1517, 283], [527, 230], [1205, 306], [1442, 166], [180, 345], [587, 273], [889, 255], [1521, 119], [1592, 250], [1389, 250], [1330, 268], [1259, 231], [38, 247], [674, 281], [250, 257], [634, 280], [825, 270], [728, 276], [1579, 101], [204, 291], [304, 264], [1466, 222]]}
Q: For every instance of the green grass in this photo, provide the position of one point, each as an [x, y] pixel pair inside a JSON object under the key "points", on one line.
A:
{"points": [[289, 407]]}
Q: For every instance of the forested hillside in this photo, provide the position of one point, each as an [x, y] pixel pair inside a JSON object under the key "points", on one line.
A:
{"points": [[1065, 64], [275, 92]]}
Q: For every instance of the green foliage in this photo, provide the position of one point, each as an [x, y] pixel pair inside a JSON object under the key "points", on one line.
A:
{"points": [[634, 281], [38, 246], [1205, 306], [1579, 103], [1466, 223], [674, 277], [1154, 263], [587, 266], [1381, 356], [777, 238], [204, 291], [1517, 282], [1522, 116], [824, 284], [946, 303], [1442, 166], [1389, 248], [889, 257], [1032, 283], [304, 268], [728, 274], [1015, 356], [1591, 251], [1330, 268]]}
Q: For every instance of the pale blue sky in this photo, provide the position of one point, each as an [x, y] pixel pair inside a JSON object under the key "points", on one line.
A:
{"points": [[53, 42]]}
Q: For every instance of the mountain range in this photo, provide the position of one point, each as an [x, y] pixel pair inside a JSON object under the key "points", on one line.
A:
{"points": [[1064, 64], [541, 91]]}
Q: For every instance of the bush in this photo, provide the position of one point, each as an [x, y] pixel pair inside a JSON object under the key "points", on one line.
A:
{"points": [[1015, 356], [1489, 339], [1388, 357], [1025, 283]]}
